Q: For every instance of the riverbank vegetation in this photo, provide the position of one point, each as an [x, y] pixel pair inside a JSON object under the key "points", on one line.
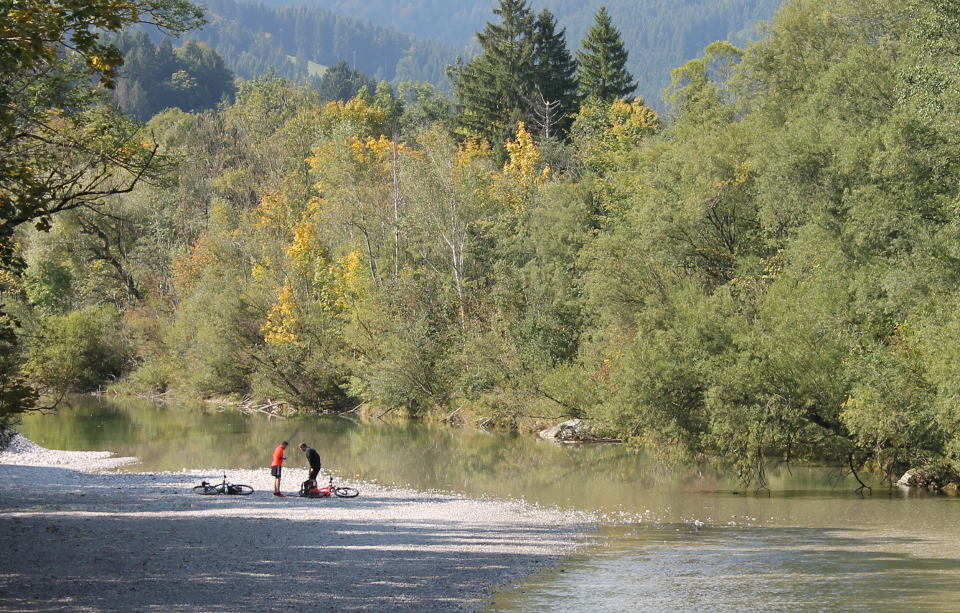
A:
{"points": [[769, 270]]}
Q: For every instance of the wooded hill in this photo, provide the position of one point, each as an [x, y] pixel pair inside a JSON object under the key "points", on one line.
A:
{"points": [[659, 34], [299, 42]]}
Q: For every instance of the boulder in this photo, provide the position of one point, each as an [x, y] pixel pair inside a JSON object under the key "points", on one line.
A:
{"points": [[935, 476], [909, 479], [570, 431]]}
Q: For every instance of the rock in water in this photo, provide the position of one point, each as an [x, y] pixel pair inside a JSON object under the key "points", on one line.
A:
{"points": [[570, 431]]}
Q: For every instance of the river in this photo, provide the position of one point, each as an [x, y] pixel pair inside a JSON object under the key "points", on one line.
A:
{"points": [[677, 539]]}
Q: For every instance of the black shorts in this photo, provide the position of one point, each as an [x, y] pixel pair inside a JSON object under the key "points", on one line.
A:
{"points": [[313, 472], [275, 471]]}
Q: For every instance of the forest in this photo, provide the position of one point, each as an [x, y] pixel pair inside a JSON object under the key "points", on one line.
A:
{"points": [[768, 270], [660, 34], [299, 42]]}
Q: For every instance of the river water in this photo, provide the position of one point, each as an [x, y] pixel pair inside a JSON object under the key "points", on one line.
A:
{"points": [[677, 539]]}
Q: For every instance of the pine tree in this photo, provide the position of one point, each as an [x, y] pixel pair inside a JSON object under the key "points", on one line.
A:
{"points": [[340, 82], [601, 63], [555, 97], [493, 89]]}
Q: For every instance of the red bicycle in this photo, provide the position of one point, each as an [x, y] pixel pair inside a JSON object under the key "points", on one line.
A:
{"points": [[309, 489]]}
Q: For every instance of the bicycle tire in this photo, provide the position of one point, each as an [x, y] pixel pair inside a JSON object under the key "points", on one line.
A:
{"points": [[346, 492], [238, 489], [207, 490]]}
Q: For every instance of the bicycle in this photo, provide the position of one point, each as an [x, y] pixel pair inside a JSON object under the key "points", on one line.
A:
{"points": [[309, 489], [234, 489]]}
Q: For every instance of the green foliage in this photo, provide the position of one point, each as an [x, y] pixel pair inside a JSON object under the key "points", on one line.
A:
{"points": [[422, 106], [61, 148], [78, 351], [524, 73], [659, 34], [771, 272], [154, 78], [555, 97], [17, 395], [340, 82], [493, 88], [47, 286], [601, 64]]}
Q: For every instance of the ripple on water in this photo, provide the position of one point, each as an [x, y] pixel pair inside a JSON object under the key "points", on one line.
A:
{"points": [[677, 567]]}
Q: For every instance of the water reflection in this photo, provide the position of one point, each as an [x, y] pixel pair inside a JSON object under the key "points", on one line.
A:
{"points": [[609, 478]]}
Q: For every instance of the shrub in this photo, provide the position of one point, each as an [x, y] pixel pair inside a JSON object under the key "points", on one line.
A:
{"points": [[78, 351]]}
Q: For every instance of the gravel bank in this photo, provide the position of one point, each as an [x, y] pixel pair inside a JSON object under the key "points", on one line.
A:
{"points": [[77, 538]]}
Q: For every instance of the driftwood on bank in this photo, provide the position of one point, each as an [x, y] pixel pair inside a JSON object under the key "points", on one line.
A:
{"points": [[270, 408]]}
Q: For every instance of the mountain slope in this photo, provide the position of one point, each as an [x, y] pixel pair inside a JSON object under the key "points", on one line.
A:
{"points": [[254, 38], [659, 34]]}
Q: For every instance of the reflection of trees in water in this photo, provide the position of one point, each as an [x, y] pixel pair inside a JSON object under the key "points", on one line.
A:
{"points": [[510, 465], [74, 426], [425, 456]]}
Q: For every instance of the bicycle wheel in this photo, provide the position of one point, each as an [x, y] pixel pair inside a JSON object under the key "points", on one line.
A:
{"points": [[241, 490], [206, 489], [346, 492]]}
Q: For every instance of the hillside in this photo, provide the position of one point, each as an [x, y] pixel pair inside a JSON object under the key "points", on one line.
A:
{"points": [[295, 41], [659, 34]]}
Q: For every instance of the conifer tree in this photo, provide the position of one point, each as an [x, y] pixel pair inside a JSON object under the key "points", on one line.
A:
{"points": [[340, 82], [555, 98], [493, 88], [601, 63]]}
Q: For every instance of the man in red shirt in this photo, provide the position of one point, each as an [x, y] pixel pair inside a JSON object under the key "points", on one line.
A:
{"points": [[277, 466]]}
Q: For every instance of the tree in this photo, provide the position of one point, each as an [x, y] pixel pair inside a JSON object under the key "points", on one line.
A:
{"points": [[494, 90], [602, 62], [60, 147], [340, 82], [555, 98], [48, 112]]}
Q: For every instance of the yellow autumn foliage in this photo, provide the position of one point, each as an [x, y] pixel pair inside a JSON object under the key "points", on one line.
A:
{"points": [[271, 211], [525, 160], [472, 149], [631, 121], [304, 244], [282, 322], [377, 151], [188, 268], [524, 170], [365, 118], [345, 282]]}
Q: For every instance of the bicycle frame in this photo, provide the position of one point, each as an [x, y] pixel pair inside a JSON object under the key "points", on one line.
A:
{"points": [[224, 487], [327, 490]]}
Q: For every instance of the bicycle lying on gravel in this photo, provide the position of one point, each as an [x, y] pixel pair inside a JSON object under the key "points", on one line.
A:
{"points": [[235, 489], [309, 489]]}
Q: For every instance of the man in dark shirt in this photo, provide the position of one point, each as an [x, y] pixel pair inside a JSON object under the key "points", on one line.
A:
{"points": [[313, 458]]}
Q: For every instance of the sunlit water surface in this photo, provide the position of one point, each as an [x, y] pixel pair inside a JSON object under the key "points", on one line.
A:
{"points": [[676, 539]]}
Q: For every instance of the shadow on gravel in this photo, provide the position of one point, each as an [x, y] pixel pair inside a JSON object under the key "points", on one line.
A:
{"points": [[56, 558]]}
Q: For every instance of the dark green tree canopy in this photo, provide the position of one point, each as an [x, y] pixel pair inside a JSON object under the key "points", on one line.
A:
{"points": [[493, 88], [555, 99], [602, 61], [157, 77], [340, 82], [524, 73]]}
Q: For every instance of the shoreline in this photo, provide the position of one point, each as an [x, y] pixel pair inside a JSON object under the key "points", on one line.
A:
{"points": [[80, 538]]}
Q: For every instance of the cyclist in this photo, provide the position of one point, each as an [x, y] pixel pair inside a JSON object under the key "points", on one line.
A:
{"points": [[313, 459], [277, 467]]}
